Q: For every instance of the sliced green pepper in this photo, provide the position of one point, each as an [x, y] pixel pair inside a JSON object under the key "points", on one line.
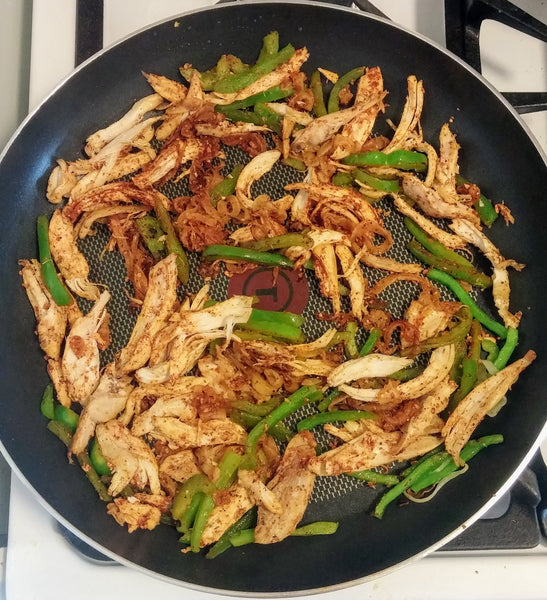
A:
{"points": [[347, 78], [153, 235], [406, 160], [98, 460], [332, 416], [227, 186], [47, 404], [236, 253], [383, 185], [247, 521], [319, 108], [66, 416], [172, 242]]}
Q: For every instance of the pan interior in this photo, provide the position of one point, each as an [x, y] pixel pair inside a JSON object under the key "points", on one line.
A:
{"points": [[97, 95]]}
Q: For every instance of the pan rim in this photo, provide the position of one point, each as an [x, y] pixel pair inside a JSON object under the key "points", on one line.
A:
{"points": [[508, 483]]}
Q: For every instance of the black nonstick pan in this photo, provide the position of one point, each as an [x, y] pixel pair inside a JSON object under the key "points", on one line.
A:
{"points": [[497, 152]]}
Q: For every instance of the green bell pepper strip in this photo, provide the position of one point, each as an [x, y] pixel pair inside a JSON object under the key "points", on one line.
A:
{"points": [[485, 209], [270, 95], [374, 477], [347, 337], [465, 298], [242, 538], [341, 179], [260, 410], [56, 288], [507, 349], [316, 528], [270, 45], [389, 186], [64, 433], [279, 330], [406, 374], [334, 96], [428, 465], [183, 497], [286, 240], [152, 235], [448, 466], [98, 460], [405, 160], [239, 81], [469, 367], [226, 187], [172, 242], [286, 318], [289, 406], [326, 402], [189, 517], [491, 349], [227, 65], [247, 521], [266, 116], [472, 276], [294, 163], [319, 109], [236, 253], [332, 416], [47, 404], [228, 467], [435, 247], [247, 420], [205, 508], [66, 416], [373, 336]]}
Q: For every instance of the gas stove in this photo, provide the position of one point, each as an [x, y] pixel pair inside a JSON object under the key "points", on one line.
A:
{"points": [[503, 555]]}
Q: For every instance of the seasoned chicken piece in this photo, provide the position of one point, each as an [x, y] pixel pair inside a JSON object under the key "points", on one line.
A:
{"points": [[435, 205], [371, 365], [55, 372], [51, 319], [141, 511], [167, 406], [226, 128], [230, 506], [197, 433], [80, 362], [429, 315], [61, 182], [157, 307], [100, 138], [372, 448], [323, 128], [501, 289], [481, 399], [171, 90], [447, 166], [130, 458], [293, 485], [427, 421], [71, 262], [180, 466], [358, 130], [410, 119], [326, 269], [253, 171], [104, 404], [449, 240], [352, 273], [258, 491]]}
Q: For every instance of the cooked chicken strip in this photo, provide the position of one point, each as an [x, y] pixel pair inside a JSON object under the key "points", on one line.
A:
{"points": [[293, 485], [80, 362]]}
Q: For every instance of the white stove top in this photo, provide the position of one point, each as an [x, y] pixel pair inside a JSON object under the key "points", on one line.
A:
{"points": [[41, 564]]}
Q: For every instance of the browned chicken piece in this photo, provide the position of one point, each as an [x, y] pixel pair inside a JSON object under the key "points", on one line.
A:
{"points": [[104, 404], [473, 408], [258, 491], [180, 465], [51, 319], [129, 457], [230, 506], [141, 511], [293, 485], [180, 406], [81, 360], [372, 448], [156, 309], [429, 315]]}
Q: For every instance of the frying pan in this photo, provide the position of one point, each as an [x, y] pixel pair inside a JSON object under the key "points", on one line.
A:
{"points": [[497, 152]]}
